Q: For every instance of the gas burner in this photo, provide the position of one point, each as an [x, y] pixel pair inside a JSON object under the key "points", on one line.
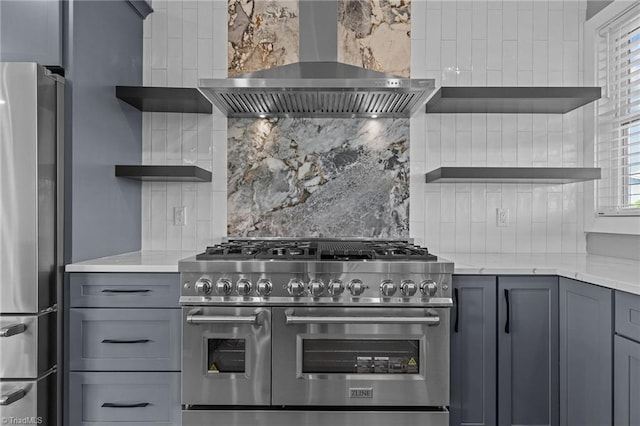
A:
{"points": [[318, 250]]}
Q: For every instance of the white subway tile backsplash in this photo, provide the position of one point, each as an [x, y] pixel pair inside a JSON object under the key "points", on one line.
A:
{"points": [[463, 40], [449, 20], [478, 241], [479, 22], [418, 14], [570, 63], [538, 237], [174, 15], [447, 204], [540, 20], [463, 148], [159, 37], [494, 39], [510, 20], [572, 16], [463, 221], [448, 237], [190, 38], [525, 40], [205, 20], [524, 149], [480, 43], [479, 62], [510, 63]]}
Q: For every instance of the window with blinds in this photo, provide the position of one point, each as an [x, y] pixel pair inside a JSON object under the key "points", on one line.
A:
{"points": [[618, 143]]}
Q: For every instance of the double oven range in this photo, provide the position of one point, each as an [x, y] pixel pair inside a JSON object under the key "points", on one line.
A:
{"points": [[315, 332]]}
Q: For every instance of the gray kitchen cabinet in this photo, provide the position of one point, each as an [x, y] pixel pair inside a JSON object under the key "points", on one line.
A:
{"points": [[473, 351], [626, 405], [626, 362], [528, 359], [586, 333], [123, 345]]}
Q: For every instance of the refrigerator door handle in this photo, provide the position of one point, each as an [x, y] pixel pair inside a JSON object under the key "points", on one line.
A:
{"points": [[11, 397], [12, 330]]}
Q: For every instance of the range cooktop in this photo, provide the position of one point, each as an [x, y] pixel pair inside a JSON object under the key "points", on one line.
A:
{"points": [[317, 250]]}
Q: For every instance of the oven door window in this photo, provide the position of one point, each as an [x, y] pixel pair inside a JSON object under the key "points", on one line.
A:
{"points": [[326, 356], [226, 355]]}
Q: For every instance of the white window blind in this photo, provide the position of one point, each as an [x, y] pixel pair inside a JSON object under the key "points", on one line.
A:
{"points": [[618, 143]]}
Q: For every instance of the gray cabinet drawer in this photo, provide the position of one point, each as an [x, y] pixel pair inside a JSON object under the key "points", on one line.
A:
{"points": [[628, 315], [124, 398], [124, 339], [116, 290]]}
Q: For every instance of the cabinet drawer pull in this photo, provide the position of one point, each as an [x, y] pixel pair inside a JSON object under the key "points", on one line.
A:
{"points": [[507, 327], [457, 302], [126, 341], [113, 290], [124, 405]]}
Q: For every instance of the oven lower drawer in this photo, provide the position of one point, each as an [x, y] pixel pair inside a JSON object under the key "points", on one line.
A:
{"points": [[313, 418]]}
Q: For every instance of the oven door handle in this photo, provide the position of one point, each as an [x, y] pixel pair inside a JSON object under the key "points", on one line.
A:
{"points": [[431, 320], [196, 319]]}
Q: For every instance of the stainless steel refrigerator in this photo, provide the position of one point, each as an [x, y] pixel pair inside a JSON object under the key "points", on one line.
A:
{"points": [[31, 235]]}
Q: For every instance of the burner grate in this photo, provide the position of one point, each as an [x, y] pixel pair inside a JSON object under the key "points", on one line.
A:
{"points": [[338, 250]]}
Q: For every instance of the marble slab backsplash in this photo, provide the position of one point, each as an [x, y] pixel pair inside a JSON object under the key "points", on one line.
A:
{"points": [[375, 34], [262, 34], [318, 177]]}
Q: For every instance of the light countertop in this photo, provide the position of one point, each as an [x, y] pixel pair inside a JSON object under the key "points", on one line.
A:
{"points": [[610, 272], [136, 261]]}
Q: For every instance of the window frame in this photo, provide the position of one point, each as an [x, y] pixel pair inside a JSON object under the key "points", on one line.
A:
{"points": [[617, 224]]}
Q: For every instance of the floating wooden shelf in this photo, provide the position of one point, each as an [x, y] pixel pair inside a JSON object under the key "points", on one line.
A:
{"points": [[553, 175], [164, 173], [511, 100], [165, 99]]}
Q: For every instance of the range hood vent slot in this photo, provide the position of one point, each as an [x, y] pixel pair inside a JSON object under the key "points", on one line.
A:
{"points": [[326, 103], [319, 86]]}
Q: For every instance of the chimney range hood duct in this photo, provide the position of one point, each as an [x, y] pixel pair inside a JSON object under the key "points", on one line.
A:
{"points": [[318, 86]]}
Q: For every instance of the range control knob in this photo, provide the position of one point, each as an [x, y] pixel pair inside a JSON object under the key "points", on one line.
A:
{"points": [[316, 287], [408, 288], [356, 287], [224, 287], [264, 287], [335, 287], [387, 288], [428, 288], [295, 287], [203, 286], [243, 286]]}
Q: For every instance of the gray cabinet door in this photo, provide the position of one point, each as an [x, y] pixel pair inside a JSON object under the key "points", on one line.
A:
{"points": [[473, 351], [626, 406], [528, 351], [586, 334]]}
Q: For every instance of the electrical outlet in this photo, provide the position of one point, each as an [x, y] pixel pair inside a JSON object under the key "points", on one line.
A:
{"points": [[180, 216], [502, 217]]}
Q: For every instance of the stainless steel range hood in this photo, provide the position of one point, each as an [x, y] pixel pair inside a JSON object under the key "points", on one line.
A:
{"points": [[318, 86]]}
